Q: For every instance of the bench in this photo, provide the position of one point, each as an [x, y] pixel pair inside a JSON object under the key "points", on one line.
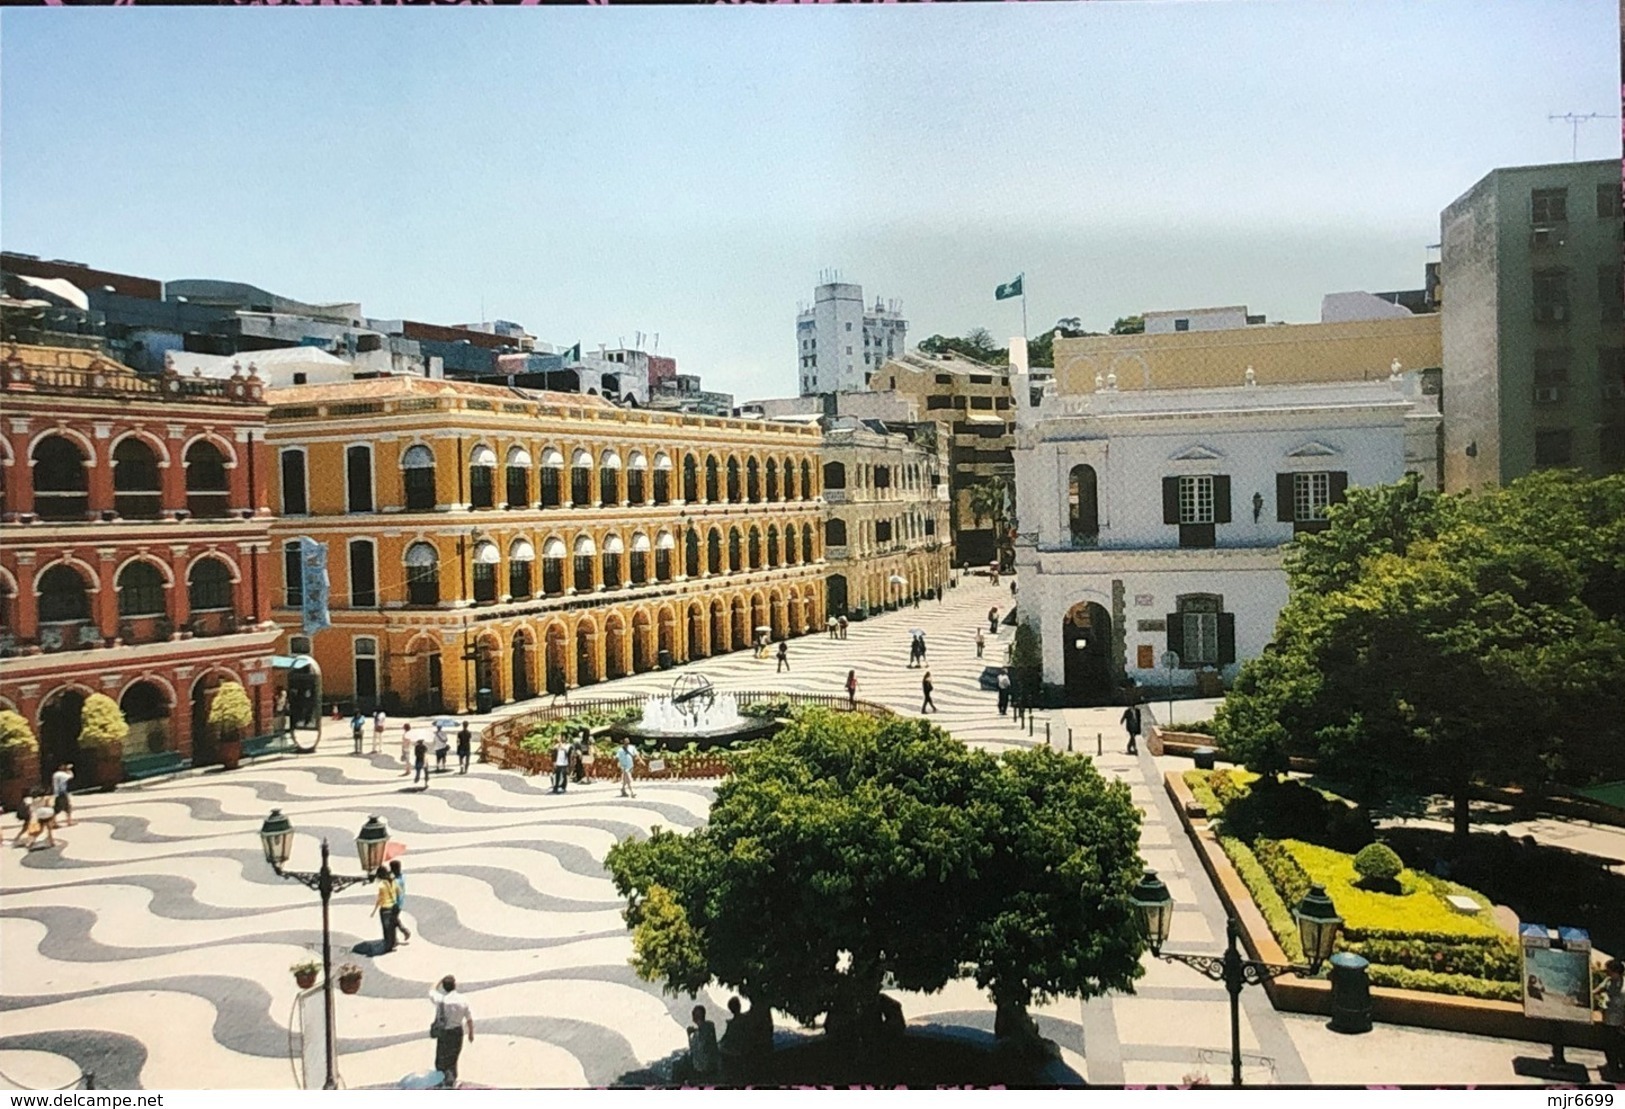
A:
{"points": [[154, 765], [277, 743]]}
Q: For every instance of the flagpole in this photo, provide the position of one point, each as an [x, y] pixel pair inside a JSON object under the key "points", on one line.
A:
{"points": [[1023, 307]]}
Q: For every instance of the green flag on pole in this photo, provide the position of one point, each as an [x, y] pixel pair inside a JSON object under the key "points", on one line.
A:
{"points": [[1013, 289]]}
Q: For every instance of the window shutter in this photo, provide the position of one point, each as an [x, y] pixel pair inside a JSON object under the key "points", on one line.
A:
{"points": [[1284, 508], [1337, 483], [1227, 638], [1221, 498], [1176, 635], [1170, 500]]}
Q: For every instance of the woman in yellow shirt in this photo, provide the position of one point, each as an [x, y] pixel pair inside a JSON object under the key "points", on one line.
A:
{"points": [[385, 907]]}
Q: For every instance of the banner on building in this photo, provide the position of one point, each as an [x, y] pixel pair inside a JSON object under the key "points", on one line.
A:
{"points": [[313, 581], [1556, 973]]}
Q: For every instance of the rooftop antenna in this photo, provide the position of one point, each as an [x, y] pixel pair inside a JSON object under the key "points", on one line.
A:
{"points": [[1574, 120]]}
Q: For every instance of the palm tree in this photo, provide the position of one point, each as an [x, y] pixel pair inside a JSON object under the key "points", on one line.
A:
{"points": [[990, 500]]}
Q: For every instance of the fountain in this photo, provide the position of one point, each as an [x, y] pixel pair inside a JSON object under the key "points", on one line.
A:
{"points": [[693, 712]]}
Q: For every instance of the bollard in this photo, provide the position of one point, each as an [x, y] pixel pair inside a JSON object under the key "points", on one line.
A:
{"points": [[1351, 994], [1099, 745], [1029, 722], [1069, 740], [1046, 733]]}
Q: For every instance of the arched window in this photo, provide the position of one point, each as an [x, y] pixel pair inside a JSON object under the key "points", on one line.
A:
{"points": [[585, 550], [1083, 508], [135, 480], [552, 477], [691, 479], [518, 478], [772, 479], [806, 480], [713, 552], [422, 574], [638, 572], [295, 485], [734, 494], [521, 556], [417, 473], [62, 595], [614, 549], [553, 567], [754, 549], [358, 478], [789, 480], [835, 532], [662, 482], [61, 489], [207, 493], [713, 484], [146, 710], [208, 585], [637, 475], [486, 560], [609, 479], [753, 481], [691, 554], [482, 468], [363, 574], [581, 479], [734, 559], [772, 545], [806, 543], [664, 544], [789, 544], [140, 590]]}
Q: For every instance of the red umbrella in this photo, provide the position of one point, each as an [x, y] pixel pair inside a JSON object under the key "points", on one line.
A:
{"points": [[394, 849]]}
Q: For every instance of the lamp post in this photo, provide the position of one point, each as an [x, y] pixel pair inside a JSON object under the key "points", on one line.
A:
{"points": [[276, 834], [1318, 925]]}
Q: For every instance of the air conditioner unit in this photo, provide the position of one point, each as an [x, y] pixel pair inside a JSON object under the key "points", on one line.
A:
{"points": [[1547, 395]]}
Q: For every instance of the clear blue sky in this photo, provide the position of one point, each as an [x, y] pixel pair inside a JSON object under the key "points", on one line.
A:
{"points": [[599, 171]]}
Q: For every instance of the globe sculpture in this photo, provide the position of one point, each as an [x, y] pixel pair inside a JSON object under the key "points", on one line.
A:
{"points": [[692, 695]]}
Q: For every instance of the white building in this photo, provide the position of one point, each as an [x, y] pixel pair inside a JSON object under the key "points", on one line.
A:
{"points": [[1151, 522], [840, 343]]}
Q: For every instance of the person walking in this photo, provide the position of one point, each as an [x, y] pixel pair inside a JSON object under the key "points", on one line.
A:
{"points": [[1612, 996], [704, 1056], [399, 879], [916, 600], [830, 626], [420, 762], [926, 687], [578, 760], [920, 640], [980, 642], [61, 797], [993, 620], [1131, 724], [913, 651], [626, 757], [442, 748], [379, 720], [842, 625], [406, 749], [465, 747], [784, 656], [561, 765], [39, 818], [1012, 590], [384, 905], [852, 690], [358, 730], [452, 1020]]}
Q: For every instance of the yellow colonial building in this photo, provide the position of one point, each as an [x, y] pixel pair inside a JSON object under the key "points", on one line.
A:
{"points": [[480, 537]]}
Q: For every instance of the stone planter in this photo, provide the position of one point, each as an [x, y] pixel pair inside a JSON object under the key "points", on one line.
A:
{"points": [[109, 768], [231, 752]]}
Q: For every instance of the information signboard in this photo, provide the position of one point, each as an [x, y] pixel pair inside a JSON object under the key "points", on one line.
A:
{"points": [[1556, 973]]}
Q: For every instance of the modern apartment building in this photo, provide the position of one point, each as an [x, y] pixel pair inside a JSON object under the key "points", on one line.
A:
{"points": [[1534, 333], [841, 343]]}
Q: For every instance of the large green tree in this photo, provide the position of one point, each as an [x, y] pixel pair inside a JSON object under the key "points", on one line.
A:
{"points": [[850, 854], [1447, 642]]}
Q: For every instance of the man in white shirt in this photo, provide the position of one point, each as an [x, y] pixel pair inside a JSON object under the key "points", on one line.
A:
{"points": [[61, 800], [561, 765], [625, 757], [452, 1019]]}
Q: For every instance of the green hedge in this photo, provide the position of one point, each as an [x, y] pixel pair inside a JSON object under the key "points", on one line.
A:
{"points": [[1290, 880], [1458, 985], [541, 738], [1196, 782], [1269, 902], [1419, 908], [1493, 960]]}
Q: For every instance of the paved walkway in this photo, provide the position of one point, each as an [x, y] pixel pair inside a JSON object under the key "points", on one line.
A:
{"points": [[152, 947]]}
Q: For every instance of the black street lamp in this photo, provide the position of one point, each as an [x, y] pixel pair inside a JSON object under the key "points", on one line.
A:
{"points": [[1318, 924], [276, 834]]}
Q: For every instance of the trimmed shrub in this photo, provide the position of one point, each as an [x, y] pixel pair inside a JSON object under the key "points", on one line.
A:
{"points": [[1458, 985], [1269, 902], [1197, 782], [1419, 908], [1292, 810], [101, 724], [1379, 865], [1285, 874], [1496, 959]]}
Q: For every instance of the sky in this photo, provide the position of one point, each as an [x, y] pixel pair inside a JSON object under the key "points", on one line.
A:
{"points": [[691, 172]]}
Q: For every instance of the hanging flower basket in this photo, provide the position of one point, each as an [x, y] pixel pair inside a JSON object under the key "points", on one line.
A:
{"points": [[350, 978], [304, 974]]}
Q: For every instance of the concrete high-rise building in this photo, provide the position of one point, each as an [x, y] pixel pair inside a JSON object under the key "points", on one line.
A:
{"points": [[840, 343], [1532, 336]]}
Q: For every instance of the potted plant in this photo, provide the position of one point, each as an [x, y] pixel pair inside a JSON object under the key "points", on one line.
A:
{"points": [[17, 747], [102, 729], [350, 978], [230, 713], [304, 974]]}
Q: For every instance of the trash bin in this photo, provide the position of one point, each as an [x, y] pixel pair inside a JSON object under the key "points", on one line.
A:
{"points": [[483, 701], [665, 659], [1351, 993], [1204, 757]]}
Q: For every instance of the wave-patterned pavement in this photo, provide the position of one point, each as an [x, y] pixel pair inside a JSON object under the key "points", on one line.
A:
{"points": [[153, 944]]}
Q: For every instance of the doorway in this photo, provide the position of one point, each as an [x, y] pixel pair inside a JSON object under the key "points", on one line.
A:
{"points": [[59, 723], [1087, 639]]}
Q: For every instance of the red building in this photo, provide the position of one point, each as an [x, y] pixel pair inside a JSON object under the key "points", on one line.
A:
{"points": [[134, 540]]}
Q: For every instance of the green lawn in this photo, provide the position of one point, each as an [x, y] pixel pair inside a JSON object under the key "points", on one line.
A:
{"points": [[1419, 908]]}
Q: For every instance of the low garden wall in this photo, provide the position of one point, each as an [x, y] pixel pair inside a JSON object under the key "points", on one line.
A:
{"points": [[1392, 1005], [500, 741]]}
